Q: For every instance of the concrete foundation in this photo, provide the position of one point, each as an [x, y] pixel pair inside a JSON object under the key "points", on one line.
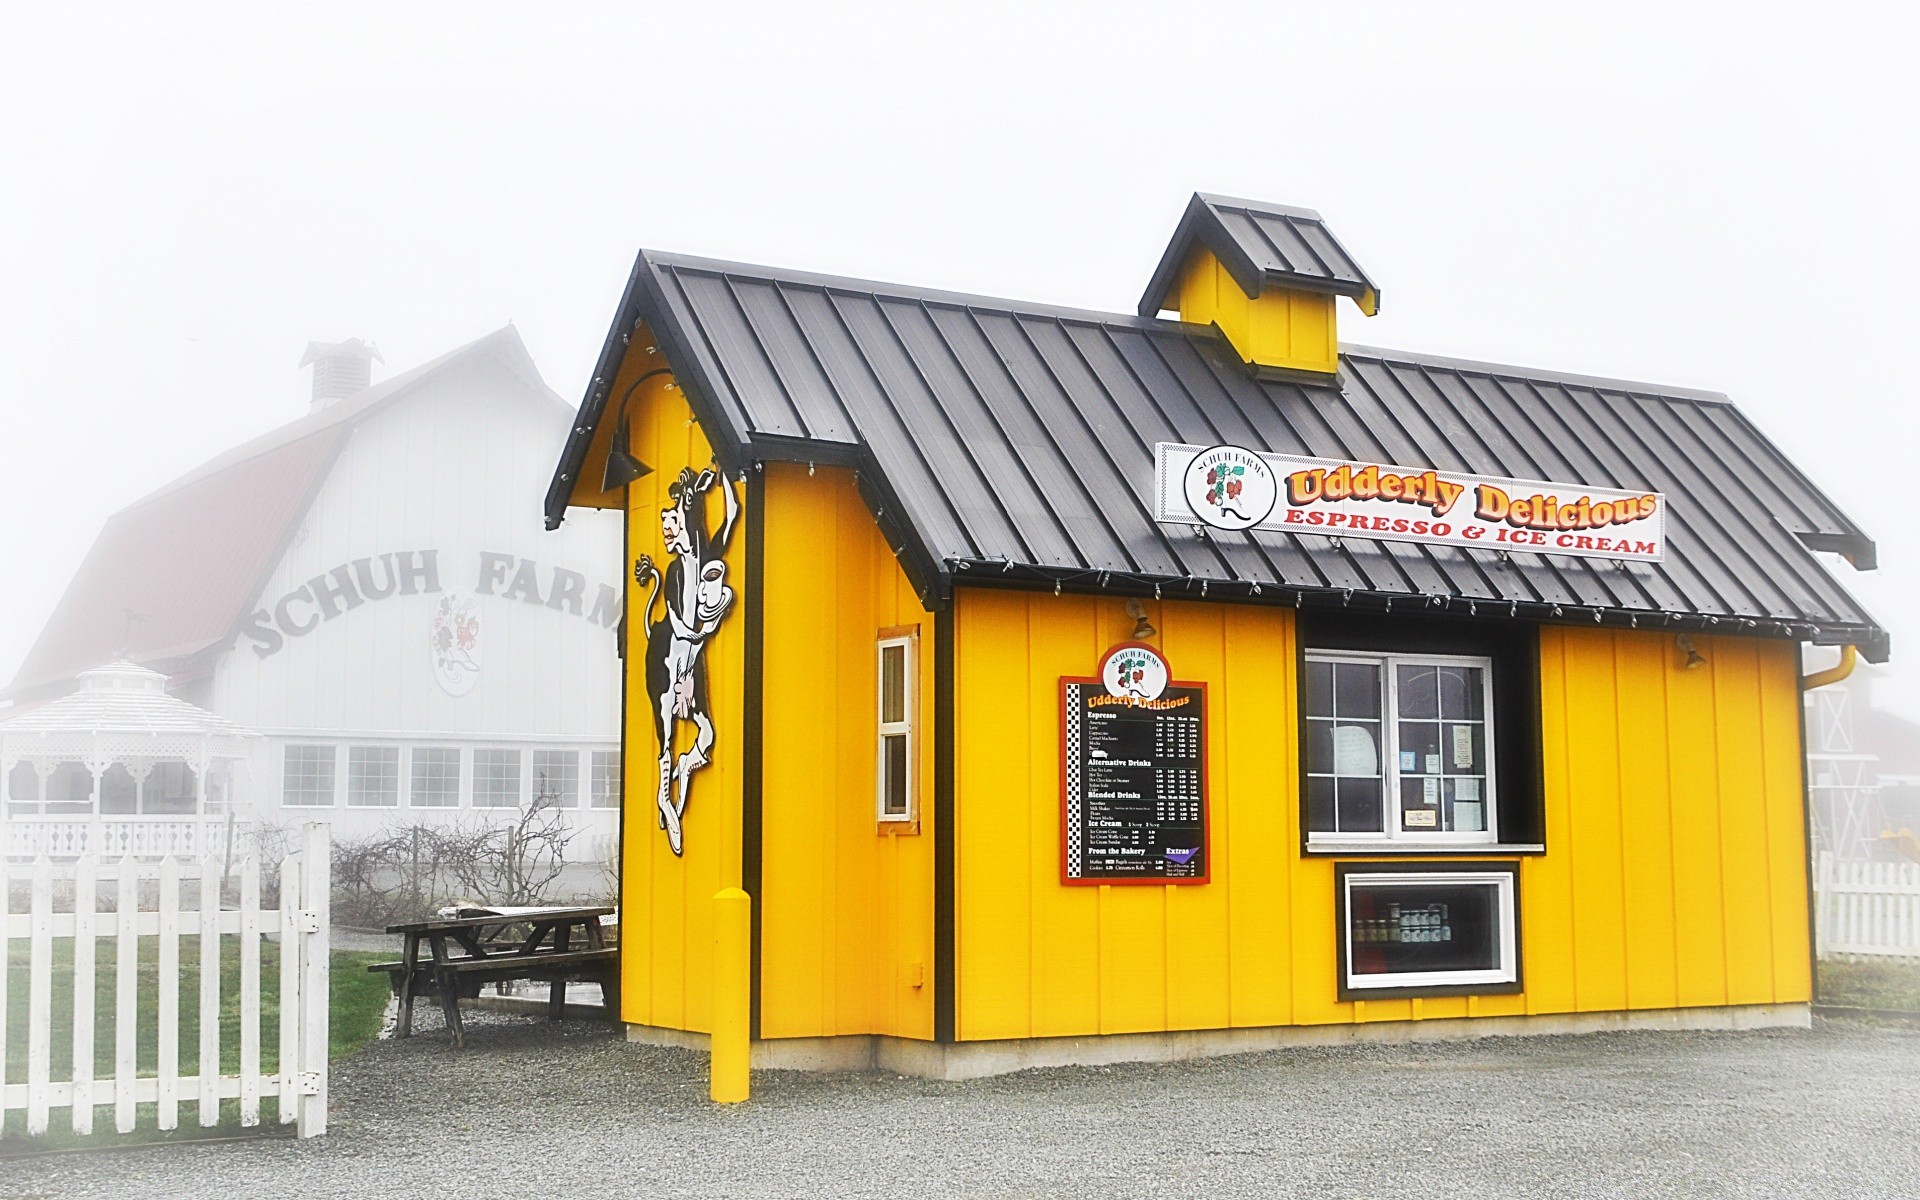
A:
{"points": [[975, 1060]]}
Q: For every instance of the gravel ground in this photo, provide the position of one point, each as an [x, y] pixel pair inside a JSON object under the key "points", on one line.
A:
{"points": [[530, 1109]]}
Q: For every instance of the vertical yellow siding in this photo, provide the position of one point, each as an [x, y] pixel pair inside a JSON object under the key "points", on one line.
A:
{"points": [[665, 902], [1669, 880], [1284, 327], [846, 905]]}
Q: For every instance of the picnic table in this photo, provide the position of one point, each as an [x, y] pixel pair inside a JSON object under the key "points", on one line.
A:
{"points": [[469, 947]]}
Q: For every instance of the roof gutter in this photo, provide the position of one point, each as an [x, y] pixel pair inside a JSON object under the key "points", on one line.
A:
{"points": [[1849, 656]]}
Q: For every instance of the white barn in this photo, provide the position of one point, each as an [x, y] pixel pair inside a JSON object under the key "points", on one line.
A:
{"points": [[368, 588]]}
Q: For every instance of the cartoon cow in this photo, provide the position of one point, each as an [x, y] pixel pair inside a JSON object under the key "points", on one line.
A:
{"points": [[697, 598]]}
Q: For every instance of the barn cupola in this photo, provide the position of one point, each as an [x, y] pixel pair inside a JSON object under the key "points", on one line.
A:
{"points": [[340, 369], [1266, 276]]}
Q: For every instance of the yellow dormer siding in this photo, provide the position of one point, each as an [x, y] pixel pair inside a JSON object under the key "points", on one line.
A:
{"points": [[1291, 329]]}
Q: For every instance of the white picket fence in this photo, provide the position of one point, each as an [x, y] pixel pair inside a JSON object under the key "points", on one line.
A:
{"points": [[300, 924], [1867, 908]]}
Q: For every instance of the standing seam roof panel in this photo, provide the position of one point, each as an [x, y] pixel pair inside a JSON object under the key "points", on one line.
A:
{"points": [[972, 407]]}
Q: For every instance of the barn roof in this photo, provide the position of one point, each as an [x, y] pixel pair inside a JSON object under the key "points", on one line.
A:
{"points": [[188, 560], [1010, 443]]}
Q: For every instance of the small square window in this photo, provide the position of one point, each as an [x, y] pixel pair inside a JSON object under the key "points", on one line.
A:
{"points": [[1427, 927], [308, 776], [556, 778], [373, 776], [496, 778], [435, 779]]}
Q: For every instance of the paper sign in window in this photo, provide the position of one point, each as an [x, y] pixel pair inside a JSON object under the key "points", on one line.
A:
{"points": [[1463, 745], [1354, 751]]}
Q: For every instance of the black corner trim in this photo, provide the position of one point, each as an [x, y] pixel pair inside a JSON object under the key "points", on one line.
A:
{"points": [[752, 732], [944, 957]]}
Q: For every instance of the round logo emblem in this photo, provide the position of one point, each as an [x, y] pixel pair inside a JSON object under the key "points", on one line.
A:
{"points": [[1230, 488], [456, 643], [1134, 670]]}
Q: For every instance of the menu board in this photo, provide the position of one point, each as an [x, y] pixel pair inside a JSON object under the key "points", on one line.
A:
{"points": [[1135, 784]]}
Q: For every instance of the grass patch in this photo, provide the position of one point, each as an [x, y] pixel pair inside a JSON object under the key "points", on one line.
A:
{"points": [[357, 1001], [1892, 984]]}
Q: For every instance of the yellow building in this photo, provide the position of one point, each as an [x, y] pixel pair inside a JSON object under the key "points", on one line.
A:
{"points": [[1075, 686]]}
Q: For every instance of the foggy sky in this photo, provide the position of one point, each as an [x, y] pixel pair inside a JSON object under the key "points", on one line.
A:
{"points": [[1645, 193]]}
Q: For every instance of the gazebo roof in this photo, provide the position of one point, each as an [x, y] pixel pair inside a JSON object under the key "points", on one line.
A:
{"points": [[120, 698]]}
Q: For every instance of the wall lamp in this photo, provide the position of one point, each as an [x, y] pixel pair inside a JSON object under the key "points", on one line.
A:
{"points": [[1142, 628], [1694, 658]]}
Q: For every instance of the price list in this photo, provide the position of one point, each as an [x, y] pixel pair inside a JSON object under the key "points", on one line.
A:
{"points": [[1136, 789]]}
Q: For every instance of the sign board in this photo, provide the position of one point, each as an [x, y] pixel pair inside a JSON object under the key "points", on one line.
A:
{"points": [[1230, 488], [1134, 778]]}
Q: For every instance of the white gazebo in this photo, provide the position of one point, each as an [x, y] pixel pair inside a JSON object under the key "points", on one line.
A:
{"points": [[120, 767]]}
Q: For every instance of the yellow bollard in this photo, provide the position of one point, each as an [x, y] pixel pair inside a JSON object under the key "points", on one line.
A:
{"points": [[732, 999]]}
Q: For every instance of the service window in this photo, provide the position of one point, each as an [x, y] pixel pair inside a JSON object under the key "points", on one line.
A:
{"points": [[1399, 748], [894, 762], [1427, 928]]}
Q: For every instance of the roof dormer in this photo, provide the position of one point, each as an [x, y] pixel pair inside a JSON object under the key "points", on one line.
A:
{"points": [[1266, 276]]}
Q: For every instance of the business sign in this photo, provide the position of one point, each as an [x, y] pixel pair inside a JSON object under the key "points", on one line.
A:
{"points": [[1195, 485], [1134, 784]]}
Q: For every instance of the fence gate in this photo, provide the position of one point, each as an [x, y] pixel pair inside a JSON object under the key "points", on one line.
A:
{"points": [[1867, 908], [87, 922]]}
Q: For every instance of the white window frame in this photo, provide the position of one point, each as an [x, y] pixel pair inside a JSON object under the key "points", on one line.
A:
{"points": [[399, 779], [1389, 748], [459, 777], [1505, 909], [520, 758], [336, 751], [909, 645], [580, 783], [615, 779]]}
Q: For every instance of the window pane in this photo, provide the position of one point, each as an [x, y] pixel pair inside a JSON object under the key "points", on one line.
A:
{"points": [[1420, 748], [893, 683], [436, 777], [69, 790], [1418, 687], [1467, 804], [1356, 750], [606, 779], [1421, 927], [894, 797], [1319, 689], [1461, 695], [1319, 747], [308, 776], [1320, 806], [1420, 804], [1359, 804], [496, 778], [373, 776], [1356, 690], [556, 778], [1462, 749]]}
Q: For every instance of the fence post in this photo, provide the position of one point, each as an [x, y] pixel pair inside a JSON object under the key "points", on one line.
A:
{"points": [[40, 997], [727, 1081], [316, 888], [289, 987], [83, 984], [6, 952], [126, 950]]}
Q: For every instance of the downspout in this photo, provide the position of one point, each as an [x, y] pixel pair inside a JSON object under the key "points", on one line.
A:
{"points": [[1849, 655]]}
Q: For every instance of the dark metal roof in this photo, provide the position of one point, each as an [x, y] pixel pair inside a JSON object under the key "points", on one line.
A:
{"points": [[1261, 245], [1010, 443]]}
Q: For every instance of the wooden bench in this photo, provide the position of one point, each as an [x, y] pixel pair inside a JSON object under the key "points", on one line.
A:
{"points": [[547, 953]]}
